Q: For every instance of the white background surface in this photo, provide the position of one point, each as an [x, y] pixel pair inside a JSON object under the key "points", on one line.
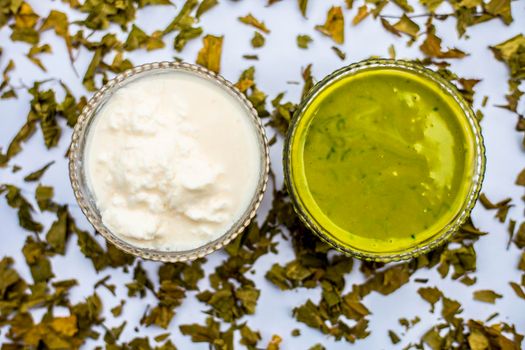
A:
{"points": [[280, 62]]}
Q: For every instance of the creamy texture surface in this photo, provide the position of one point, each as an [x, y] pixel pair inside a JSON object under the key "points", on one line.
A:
{"points": [[384, 161], [173, 161]]}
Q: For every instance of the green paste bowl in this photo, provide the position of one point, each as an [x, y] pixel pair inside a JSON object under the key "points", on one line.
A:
{"points": [[383, 245]]}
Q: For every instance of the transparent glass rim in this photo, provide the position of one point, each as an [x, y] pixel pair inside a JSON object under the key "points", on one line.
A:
{"points": [[441, 236], [86, 200]]}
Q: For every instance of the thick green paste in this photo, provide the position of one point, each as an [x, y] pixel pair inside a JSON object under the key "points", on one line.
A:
{"points": [[382, 160]]}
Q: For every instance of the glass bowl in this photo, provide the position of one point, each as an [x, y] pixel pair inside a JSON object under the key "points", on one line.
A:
{"points": [[476, 170], [85, 197]]}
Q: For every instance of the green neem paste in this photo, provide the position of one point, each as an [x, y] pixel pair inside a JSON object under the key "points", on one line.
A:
{"points": [[382, 160]]}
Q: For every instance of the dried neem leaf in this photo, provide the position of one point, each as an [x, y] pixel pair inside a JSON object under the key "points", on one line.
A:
{"points": [[494, 336], [362, 13], [251, 57], [58, 232], [24, 27], [518, 290], [407, 26], [308, 80], [113, 334], [334, 25], [467, 89], [230, 303], [431, 295], [249, 19], [339, 53], [274, 343], [210, 333], [317, 347], [246, 85], [392, 52], [511, 53], [15, 146], [520, 236], [44, 198], [303, 5], [303, 41], [37, 174], [186, 274], [170, 295], [500, 8], [379, 5], [104, 283], [89, 314], [249, 337], [183, 18], [386, 281], [394, 338], [502, 206], [107, 44], [16, 200], [103, 12], [282, 114], [141, 282], [487, 296], [45, 111], [58, 21], [520, 180], [37, 260], [138, 39], [205, 6], [257, 40], [117, 310], [389, 27], [186, 34], [210, 54], [5, 74], [405, 6], [432, 45]]}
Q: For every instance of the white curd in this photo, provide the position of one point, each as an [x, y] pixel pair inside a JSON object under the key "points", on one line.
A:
{"points": [[173, 161]]}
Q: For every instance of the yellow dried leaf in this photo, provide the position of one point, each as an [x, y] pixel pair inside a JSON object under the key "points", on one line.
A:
{"points": [[210, 54]]}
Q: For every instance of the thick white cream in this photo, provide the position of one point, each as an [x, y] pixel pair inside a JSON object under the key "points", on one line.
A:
{"points": [[173, 161]]}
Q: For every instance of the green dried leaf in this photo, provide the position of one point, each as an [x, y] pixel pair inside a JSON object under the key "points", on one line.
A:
{"points": [[407, 26], [339, 53], [58, 233], [500, 8], [487, 296], [183, 18], [334, 25], [303, 5], [518, 290], [16, 200], [249, 338], [185, 35], [520, 180], [37, 174], [394, 338], [362, 13], [257, 40], [210, 54], [138, 39], [205, 6], [303, 41], [431, 295], [249, 19], [44, 196], [39, 264], [432, 46]]}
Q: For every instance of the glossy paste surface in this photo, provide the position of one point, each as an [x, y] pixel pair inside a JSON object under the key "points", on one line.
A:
{"points": [[382, 159]]}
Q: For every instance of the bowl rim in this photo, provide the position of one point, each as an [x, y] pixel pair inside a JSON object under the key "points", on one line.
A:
{"points": [[479, 162], [77, 168]]}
